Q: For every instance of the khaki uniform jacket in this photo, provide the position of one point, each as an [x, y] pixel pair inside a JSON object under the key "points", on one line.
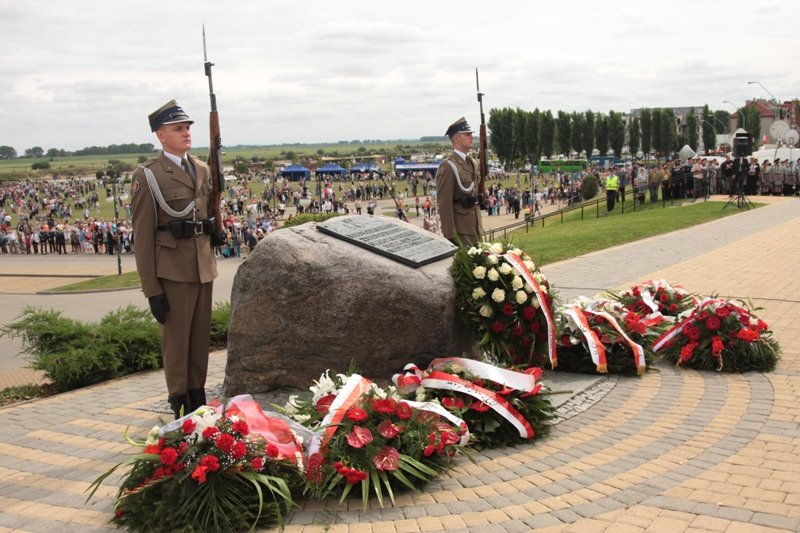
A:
{"points": [[158, 253], [457, 220]]}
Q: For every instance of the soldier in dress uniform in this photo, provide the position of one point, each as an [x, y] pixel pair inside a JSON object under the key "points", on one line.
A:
{"points": [[174, 257], [457, 188]]}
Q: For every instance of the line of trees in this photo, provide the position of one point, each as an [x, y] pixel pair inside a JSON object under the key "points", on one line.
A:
{"points": [[519, 136], [8, 152]]}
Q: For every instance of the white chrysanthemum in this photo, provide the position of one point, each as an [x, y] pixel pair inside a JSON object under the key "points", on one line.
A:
{"points": [[493, 275], [478, 293], [521, 297], [496, 248], [517, 283], [506, 269], [485, 311], [491, 259], [499, 295], [530, 265], [479, 272]]}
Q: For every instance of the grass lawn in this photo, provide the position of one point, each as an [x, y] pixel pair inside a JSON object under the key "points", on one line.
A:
{"points": [[557, 241], [127, 280]]}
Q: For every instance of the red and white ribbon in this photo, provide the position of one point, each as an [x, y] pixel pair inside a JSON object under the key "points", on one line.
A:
{"points": [[597, 351], [516, 262], [638, 351], [444, 413], [354, 387], [503, 376], [677, 328]]}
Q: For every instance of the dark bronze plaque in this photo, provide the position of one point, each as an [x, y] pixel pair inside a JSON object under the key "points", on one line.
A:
{"points": [[399, 241]]}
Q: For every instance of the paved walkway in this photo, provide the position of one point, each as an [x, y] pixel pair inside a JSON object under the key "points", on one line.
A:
{"points": [[671, 451]]}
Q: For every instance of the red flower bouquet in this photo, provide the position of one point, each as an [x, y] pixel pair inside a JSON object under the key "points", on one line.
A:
{"points": [[720, 335]]}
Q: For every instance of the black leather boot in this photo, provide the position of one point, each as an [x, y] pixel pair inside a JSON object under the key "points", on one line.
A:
{"points": [[179, 404], [196, 398]]}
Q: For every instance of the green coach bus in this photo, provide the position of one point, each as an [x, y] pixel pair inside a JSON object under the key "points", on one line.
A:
{"points": [[565, 165]]}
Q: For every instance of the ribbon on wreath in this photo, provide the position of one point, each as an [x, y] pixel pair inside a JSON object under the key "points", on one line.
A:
{"points": [[433, 378], [352, 390], [596, 349], [516, 262], [638, 351]]}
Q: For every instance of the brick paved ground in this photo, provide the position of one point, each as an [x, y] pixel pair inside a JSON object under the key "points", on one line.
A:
{"points": [[671, 451]]}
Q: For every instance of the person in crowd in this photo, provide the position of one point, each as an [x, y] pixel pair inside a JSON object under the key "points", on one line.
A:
{"points": [[612, 188], [174, 255]]}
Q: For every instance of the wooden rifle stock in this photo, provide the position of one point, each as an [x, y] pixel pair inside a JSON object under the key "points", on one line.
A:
{"points": [[215, 152]]}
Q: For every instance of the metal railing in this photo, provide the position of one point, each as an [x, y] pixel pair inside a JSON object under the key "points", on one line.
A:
{"points": [[589, 205]]}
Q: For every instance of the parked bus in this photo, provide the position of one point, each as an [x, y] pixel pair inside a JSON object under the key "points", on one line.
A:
{"points": [[565, 165]]}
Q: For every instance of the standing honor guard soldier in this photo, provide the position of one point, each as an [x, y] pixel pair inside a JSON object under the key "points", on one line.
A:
{"points": [[457, 188], [174, 257]]}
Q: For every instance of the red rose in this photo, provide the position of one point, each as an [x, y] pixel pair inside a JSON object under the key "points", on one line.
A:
{"points": [[182, 448], [679, 297], [188, 426], [323, 405], [526, 341], [599, 319], [359, 437], [529, 312], [664, 298], [535, 327], [673, 308], [517, 330], [508, 309], [388, 430], [712, 323], [240, 427], [565, 340], [384, 406], [404, 411], [356, 414], [387, 459], [496, 327], [225, 442], [169, 456], [637, 292]]}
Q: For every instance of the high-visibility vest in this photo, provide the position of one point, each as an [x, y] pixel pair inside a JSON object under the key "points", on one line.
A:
{"points": [[612, 182]]}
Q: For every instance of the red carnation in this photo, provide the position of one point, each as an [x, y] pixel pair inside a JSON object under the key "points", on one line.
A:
{"points": [[188, 426], [356, 414], [716, 346], [225, 442], [209, 432], [169, 456], [272, 451], [508, 309], [199, 474], [239, 449], [257, 463], [240, 427], [210, 462], [496, 327], [748, 335], [359, 437], [387, 459]]}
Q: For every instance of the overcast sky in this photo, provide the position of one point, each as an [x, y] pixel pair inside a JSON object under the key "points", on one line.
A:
{"points": [[88, 72]]}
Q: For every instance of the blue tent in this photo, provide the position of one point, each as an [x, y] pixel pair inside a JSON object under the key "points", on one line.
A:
{"points": [[364, 167], [331, 168], [295, 172]]}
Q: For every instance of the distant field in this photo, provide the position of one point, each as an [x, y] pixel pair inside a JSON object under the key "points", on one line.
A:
{"points": [[20, 168]]}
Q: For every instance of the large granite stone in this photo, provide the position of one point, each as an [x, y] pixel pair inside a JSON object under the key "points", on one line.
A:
{"points": [[305, 301]]}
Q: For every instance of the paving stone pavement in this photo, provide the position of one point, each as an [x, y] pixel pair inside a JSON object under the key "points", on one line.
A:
{"points": [[670, 451]]}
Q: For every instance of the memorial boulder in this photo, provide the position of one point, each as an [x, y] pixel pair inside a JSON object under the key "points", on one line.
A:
{"points": [[307, 300]]}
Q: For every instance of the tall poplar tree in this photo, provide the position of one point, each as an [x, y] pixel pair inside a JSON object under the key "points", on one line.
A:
{"points": [[646, 124], [709, 129], [692, 137], [577, 131], [601, 134], [547, 127], [634, 136], [616, 132], [587, 138], [564, 133]]}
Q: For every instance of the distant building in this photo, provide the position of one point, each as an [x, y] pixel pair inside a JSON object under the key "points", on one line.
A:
{"points": [[680, 123], [769, 111]]}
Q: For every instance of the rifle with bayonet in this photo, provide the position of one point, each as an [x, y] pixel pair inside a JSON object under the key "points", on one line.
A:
{"points": [[214, 156], [401, 213], [483, 161]]}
